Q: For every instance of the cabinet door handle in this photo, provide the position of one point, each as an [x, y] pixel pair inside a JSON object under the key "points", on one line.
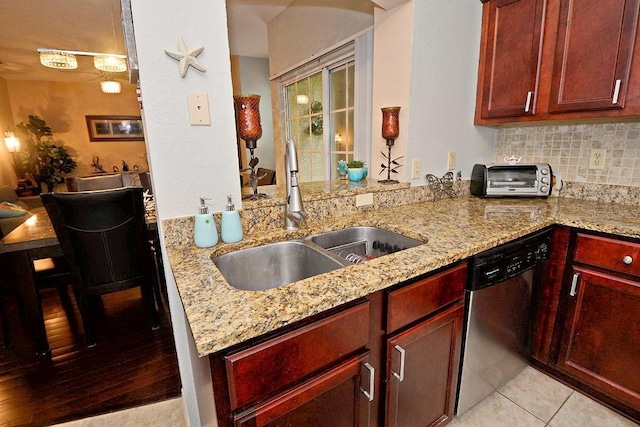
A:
{"points": [[616, 92], [574, 284], [627, 260], [400, 375], [372, 382], [527, 105]]}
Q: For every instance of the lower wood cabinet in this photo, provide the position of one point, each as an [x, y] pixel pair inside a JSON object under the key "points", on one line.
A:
{"points": [[329, 370], [422, 371], [587, 330], [339, 397], [601, 339]]}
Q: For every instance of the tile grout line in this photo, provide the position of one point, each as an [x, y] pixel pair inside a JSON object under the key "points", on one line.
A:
{"points": [[524, 409], [561, 406], [538, 418]]}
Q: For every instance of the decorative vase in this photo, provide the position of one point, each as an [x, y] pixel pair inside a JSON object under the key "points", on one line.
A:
{"points": [[356, 174], [342, 169]]}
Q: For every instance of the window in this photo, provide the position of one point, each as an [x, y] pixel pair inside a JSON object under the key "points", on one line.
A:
{"points": [[321, 113]]}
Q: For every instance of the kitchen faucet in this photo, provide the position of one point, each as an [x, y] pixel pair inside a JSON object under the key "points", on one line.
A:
{"points": [[294, 213]]}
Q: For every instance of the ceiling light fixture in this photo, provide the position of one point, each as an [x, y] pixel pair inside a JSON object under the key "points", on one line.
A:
{"points": [[110, 86], [58, 59]]}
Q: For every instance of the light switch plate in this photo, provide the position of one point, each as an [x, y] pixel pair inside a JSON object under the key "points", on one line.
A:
{"points": [[451, 160], [415, 169], [199, 109]]}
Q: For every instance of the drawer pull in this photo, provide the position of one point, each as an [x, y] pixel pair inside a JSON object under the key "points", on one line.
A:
{"points": [[400, 375], [627, 260], [574, 284], [372, 382]]}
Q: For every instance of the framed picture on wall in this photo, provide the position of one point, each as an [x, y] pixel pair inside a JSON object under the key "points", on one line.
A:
{"points": [[115, 128]]}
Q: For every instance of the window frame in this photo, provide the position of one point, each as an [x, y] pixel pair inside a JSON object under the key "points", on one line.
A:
{"points": [[359, 49]]}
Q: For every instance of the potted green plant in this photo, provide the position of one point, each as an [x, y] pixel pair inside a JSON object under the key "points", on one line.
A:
{"points": [[42, 160], [356, 170]]}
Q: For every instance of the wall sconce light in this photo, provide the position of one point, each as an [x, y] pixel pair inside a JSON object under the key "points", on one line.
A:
{"points": [[12, 143], [110, 86], [302, 99], [338, 138]]}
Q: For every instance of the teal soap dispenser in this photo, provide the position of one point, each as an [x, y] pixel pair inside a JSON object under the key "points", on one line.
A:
{"points": [[231, 228], [205, 233]]}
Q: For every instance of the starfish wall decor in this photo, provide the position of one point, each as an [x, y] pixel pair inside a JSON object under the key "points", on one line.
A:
{"points": [[186, 57]]}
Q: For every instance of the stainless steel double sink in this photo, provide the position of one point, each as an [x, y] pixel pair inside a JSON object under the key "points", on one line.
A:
{"points": [[276, 264]]}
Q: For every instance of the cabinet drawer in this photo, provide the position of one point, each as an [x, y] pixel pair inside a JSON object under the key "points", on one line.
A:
{"points": [[608, 253], [267, 368], [412, 302]]}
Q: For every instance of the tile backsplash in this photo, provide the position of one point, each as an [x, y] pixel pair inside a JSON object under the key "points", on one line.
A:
{"points": [[567, 149]]}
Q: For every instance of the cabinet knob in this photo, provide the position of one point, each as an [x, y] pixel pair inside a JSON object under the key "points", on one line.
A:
{"points": [[627, 260]]}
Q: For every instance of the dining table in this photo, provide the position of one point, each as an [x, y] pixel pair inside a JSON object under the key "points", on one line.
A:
{"points": [[36, 239]]}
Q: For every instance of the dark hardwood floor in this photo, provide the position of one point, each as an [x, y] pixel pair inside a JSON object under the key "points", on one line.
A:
{"points": [[130, 366]]}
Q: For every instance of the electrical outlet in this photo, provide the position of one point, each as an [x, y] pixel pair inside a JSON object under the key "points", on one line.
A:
{"points": [[415, 169], [597, 158], [451, 160]]}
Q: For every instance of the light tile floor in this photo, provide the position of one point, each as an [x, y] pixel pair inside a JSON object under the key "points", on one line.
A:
{"points": [[533, 399], [168, 413]]}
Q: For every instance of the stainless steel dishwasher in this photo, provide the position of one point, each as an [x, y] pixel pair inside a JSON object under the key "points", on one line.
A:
{"points": [[499, 315]]}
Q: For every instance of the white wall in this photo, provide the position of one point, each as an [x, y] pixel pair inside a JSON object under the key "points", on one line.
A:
{"points": [[254, 78], [443, 88], [187, 161]]}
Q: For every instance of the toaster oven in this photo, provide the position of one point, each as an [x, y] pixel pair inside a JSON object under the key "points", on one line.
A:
{"points": [[505, 180]]}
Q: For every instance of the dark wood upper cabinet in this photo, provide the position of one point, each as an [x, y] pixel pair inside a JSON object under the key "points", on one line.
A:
{"points": [[544, 60], [512, 39], [593, 53]]}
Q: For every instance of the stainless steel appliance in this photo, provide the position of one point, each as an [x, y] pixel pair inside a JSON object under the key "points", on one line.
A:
{"points": [[499, 315], [499, 180]]}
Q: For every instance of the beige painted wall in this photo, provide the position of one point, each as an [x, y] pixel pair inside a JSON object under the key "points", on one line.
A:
{"points": [[64, 107], [307, 27], [7, 175]]}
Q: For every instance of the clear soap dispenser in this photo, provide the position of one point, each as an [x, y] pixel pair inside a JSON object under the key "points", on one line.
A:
{"points": [[231, 228], [205, 233]]}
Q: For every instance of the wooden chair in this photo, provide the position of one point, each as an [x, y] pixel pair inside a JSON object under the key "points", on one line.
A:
{"points": [[106, 182], [104, 239]]}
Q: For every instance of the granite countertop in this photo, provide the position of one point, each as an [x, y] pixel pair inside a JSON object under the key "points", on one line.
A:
{"points": [[221, 316]]}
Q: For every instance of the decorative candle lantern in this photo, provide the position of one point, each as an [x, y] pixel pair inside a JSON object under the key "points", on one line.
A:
{"points": [[250, 130], [390, 124], [248, 119], [390, 131]]}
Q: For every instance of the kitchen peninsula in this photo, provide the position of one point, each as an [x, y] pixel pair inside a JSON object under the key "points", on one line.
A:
{"points": [[221, 316]]}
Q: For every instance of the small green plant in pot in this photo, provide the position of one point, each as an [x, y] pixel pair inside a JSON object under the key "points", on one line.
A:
{"points": [[357, 170], [42, 160]]}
